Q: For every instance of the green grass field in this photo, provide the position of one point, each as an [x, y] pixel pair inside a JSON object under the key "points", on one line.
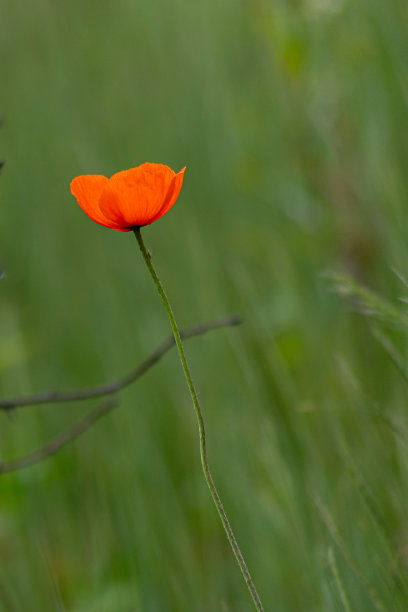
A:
{"points": [[292, 119]]}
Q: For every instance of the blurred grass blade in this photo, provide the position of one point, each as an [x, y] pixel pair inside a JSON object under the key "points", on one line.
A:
{"points": [[335, 533], [367, 301], [337, 580], [391, 351]]}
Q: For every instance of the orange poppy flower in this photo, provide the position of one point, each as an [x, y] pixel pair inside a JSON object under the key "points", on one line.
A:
{"points": [[130, 198]]}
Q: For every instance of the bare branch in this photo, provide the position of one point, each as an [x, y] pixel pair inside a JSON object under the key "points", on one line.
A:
{"points": [[61, 440], [83, 424], [114, 386]]}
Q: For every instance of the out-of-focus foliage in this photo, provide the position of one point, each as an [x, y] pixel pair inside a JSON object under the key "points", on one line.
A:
{"points": [[292, 120]]}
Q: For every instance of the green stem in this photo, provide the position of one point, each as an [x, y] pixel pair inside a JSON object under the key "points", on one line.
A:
{"points": [[201, 426]]}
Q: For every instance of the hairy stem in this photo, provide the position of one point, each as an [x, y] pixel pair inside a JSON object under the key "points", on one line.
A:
{"points": [[201, 426]]}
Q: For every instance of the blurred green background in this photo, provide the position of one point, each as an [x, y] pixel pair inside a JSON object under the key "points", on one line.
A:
{"points": [[292, 120]]}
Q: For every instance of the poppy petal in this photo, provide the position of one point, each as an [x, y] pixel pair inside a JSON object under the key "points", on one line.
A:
{"points": [[136, 196], [87, 189], [172, 194]]}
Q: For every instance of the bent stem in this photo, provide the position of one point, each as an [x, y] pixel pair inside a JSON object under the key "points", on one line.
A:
{"points": [[201, 426]]}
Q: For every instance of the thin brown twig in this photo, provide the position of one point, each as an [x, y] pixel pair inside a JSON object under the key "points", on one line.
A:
{"points": [[61, 440], [83, 424], [48, 397], [101, 410]]}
